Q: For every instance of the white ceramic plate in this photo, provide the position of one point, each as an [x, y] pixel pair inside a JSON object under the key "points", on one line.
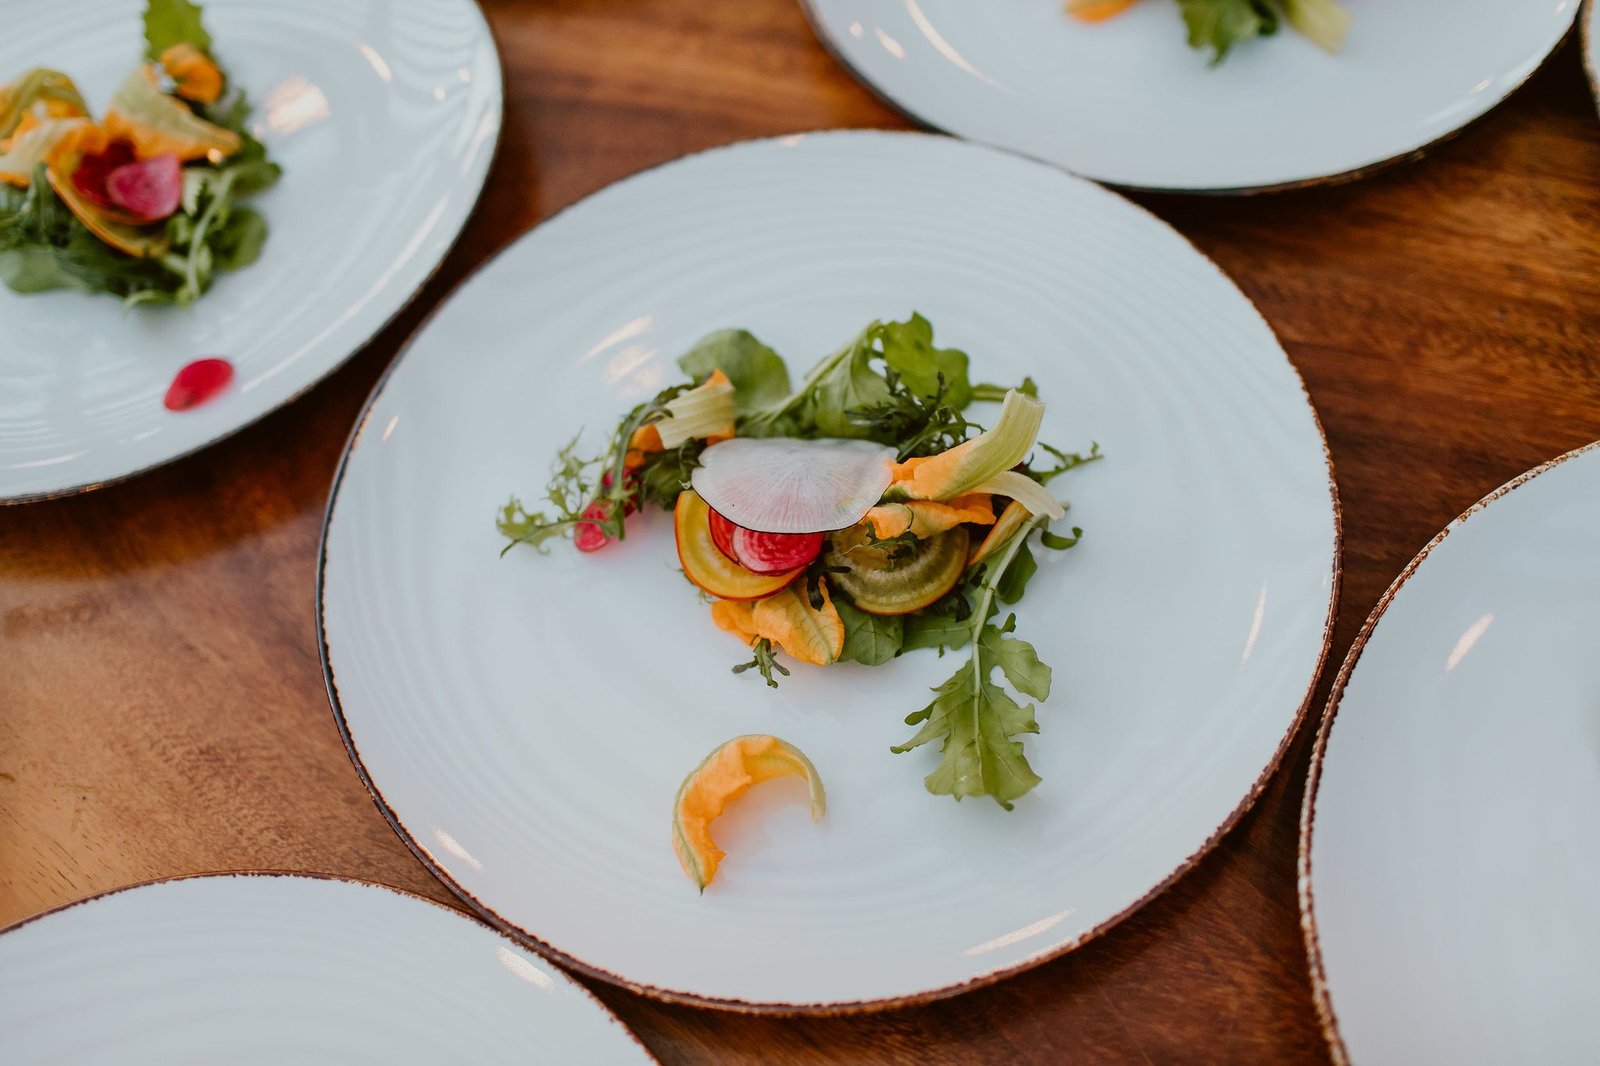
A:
{"points": [[526, 721], [384, 117], [1128, 102], [273, 968], [1449, 859]]}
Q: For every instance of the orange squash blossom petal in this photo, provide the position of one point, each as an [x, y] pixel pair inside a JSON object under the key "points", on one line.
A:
{"points": [[197, 77], [730, 771], [1097, 10], [810, 635], [928, 518]]}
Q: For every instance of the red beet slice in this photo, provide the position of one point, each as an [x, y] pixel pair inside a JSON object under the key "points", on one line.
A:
{"points": [[773, 553], [197, 383], [722, 532], [92, 170], [150, 189]]}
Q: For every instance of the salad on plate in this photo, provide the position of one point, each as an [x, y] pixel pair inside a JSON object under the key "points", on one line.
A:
{"points": [[144, 202], [1218, 25], [853, 517]]}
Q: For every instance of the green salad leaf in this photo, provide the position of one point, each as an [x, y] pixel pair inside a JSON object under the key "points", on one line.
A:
{"points": [[831, 400], [927, 371], [43, 247], [170, 22], [1221, 24], [929, 628], [758, 373], [974, 716], [869, 639]]}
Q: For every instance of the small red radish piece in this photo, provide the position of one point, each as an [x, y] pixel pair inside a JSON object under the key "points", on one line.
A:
{"points": [[591, 536], [784, 485], [150, 189], [722, 532], [198, 382], [774, 553]]}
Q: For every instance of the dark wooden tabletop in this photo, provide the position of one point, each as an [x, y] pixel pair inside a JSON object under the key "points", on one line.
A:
{"points": [[161, 705]]}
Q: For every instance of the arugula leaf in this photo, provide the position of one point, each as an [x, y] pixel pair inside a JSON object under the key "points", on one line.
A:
{"points": [[765, 661], [568, 494], [853, 384], [976, 718], [990, 393], [1064, 461], [914, 424], [869, 639], [908, 350], [1221, 24], [831, 400], [170, 22], [1017, 660], [238, 240], [1012, 580], [43, 247], [1056, 542], [924, 630], [758, 373]]}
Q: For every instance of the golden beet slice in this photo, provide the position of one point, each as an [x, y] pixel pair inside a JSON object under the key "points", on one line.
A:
{"points": [[705, 565], [722, 777]]}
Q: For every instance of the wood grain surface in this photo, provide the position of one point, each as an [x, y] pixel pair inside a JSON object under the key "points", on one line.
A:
{"points": [[161, 706]]}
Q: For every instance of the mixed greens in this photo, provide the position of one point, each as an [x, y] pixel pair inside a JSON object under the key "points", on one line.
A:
{"points": [[855, 516], [1218, 25], [144, 203]]}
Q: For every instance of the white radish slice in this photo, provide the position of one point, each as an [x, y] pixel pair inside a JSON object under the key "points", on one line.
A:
{"points": [[784, 485]]}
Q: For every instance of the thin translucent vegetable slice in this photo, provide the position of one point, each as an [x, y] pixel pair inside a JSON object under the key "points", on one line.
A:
{"points": [[784, 485]]}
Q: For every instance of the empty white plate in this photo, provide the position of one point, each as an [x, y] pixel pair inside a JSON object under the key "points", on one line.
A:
{"points": [[1449, 857], [276, 968], [526, 721], [384, 117], [1128, 102]]}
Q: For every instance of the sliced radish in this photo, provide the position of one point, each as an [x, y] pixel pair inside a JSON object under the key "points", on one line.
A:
{"points": [[150, 189], [90, 175], [783, 485], [722, 532], [773, 553]]}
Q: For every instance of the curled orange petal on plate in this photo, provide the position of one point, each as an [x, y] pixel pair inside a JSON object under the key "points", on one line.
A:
{"points": [[736, 617], [197, 77], [1097, 10], [809, 634], [929, 518], [722, 777], [786, 618]]}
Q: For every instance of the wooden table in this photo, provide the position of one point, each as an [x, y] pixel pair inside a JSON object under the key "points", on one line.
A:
{"points": [[162, 709]]}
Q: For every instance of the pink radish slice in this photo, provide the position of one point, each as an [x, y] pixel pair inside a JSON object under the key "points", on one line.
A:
{"points": [[783, 485], [722, 532], [89, 177], [150, 188], [774, 553]]}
